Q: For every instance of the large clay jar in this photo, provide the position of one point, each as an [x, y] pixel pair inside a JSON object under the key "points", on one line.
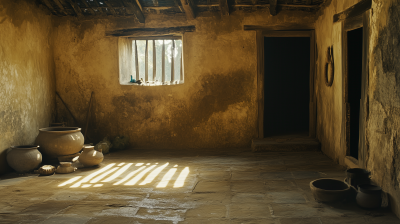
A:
{"points": [[24, 158], [90, 157], [59, 141]]}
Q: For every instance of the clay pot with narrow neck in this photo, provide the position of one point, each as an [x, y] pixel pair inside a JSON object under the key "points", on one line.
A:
{"points": [[24, 158], [369, 196], [90, 157], [59, 141]]}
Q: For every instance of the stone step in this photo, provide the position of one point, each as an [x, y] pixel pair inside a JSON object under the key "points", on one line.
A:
{"points": [[285, 144]]}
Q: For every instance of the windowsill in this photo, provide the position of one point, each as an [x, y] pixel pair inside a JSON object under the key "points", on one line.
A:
{"points": [[153, 84]]}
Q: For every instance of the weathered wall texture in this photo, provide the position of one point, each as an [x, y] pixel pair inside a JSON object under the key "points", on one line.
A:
{"points": [[383, 155], [26, 71], [215, 107], [383, 112]]}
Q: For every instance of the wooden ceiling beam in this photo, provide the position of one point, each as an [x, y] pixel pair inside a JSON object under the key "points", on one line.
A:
{"points": [[75, 7], [224, 7], [188, 7], [146, 32], [60, 6], [135, 9], [273, 7]]}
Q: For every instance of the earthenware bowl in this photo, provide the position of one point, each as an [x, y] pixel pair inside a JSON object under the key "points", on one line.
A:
{"points": [[329, 190]]}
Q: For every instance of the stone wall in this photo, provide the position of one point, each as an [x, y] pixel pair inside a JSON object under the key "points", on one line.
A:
{"points": [[383, 104], [216, 107], [27, 74]]}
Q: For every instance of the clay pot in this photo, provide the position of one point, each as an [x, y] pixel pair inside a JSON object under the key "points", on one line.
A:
{"points": [[90, 157], [24, 158], [369, 196], [65, 167], [59, 141], [329, 190], [357, 176]]}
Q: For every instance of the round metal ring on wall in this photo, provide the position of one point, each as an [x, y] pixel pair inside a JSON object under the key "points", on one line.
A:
{"points": [[330, 61]]}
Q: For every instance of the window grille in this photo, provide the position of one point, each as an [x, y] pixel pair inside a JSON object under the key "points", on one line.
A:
{"points": [[153, 61]]}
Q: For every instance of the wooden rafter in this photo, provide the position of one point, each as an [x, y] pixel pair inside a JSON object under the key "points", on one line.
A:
{"points": [[88, 7], [135, 9], [272, 7], [188, 6], [99, 8], [47, 3], [76, 7], [177, 5], [224, 7], [60, 6], [110, 7]]}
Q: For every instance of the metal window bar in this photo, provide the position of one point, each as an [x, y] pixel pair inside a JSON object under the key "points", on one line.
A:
{"points": [[163, 56]]}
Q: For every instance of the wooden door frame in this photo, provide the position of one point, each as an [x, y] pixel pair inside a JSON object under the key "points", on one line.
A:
{"points": [[350, 24], [261, 34]]}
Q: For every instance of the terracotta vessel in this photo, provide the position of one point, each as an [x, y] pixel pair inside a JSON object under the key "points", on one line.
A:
{"points": [[24, 158], [65, 167], [369, 196], [90, 157], [329, 190], [59, 141]]}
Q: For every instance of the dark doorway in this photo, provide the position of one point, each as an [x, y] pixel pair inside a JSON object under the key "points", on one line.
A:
{"points": [[354, 63], [286, 85]]}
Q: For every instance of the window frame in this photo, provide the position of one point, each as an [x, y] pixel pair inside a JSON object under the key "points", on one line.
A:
{"points": [[162, 82]]}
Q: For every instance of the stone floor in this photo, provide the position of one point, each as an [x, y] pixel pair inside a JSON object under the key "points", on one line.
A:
{"points": [[218, 186]]}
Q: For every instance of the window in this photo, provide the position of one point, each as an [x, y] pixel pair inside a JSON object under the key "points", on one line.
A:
{"points": [[153, 61]]}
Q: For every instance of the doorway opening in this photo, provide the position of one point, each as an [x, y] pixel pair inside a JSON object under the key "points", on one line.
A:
{"points": [[286, 86], [354, 66]]}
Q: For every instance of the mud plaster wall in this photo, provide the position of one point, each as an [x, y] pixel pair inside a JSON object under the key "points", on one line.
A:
{"points": [[383, 111], [216, 106], [26, 69]]}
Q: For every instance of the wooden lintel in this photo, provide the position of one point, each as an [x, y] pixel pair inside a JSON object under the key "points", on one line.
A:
{"points": [[188, 7], [292, 26], [353, 11], [272, 7], [135, 9], [140, 32], [60, 6], [75, 7], [224, 7]]}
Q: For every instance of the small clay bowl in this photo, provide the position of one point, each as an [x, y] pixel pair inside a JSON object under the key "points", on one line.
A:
{"points": [[329, 190]]}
